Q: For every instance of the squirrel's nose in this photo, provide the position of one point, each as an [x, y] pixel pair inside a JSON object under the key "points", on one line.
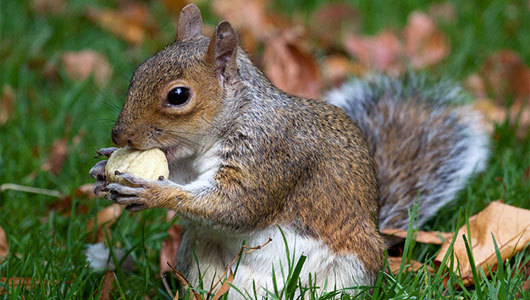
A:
{"points": [[118, 137]]}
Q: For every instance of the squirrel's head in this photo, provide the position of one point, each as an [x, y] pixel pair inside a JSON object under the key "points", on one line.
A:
{"points": [[174, 95]]}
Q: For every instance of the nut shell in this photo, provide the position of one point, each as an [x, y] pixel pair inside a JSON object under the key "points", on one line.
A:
{"points": [[148, 164]]}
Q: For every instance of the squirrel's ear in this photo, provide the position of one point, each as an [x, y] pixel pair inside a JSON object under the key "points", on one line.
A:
{"points": [[223, 49], [190, 23]]}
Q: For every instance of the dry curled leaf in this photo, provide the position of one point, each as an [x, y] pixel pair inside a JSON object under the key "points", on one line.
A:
{"points": [[4, 248], [107, 286], [168, 251], [427, 237], [57, 158], [382, 52], [225, 287], [130, 22], [511, 227], [425, 44], [338, 67], [290, 67], [81, 64], [105, 218], [411, 265], [506, 75], [250, 14], [7, 102], [331, 20]]}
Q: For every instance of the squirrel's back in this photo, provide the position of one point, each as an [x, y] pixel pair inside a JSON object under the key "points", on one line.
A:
{"points": [[425, 147]]}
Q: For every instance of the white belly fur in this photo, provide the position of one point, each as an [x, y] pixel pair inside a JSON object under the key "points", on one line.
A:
{"points": [[215, 251]]}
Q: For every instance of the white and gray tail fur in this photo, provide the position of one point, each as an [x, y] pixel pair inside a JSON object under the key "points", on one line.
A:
{"points": [[423, 144]]}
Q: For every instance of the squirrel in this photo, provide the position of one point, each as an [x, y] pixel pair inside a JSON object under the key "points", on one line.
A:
{"points": [[250, 162]]}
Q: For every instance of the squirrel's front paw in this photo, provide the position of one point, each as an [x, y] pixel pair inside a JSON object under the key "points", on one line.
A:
{"points": [[142, 194]]}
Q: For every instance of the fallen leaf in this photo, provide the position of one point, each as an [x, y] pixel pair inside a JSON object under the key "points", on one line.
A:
{"points": [[331, 20], [82, 64], [86, 190], [4, 248], [383, 52], [511, 227], [225, 287], [168, 251], [14, 282], [250, 14], [290, 67], [427, 237], [7, 103], [48, 6], [442, 11], [411, 265], [57, 158], [338, 67], [475, 84], [506, 75], [105, 218], [107, 285], [496, 113], [425, 44], [130, 22]]}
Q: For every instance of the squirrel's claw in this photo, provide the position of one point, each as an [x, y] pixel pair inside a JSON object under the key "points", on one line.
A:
{"points": [[136, 207], [105, 151], [98, 170]]}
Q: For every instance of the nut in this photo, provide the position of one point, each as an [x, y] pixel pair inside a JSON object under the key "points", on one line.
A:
{"points": [[148, 164]]}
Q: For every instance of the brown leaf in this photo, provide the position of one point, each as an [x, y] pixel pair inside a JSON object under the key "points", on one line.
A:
{"points": [[48, 6], [383, 52], [86, 190], [338, 67], [14, 282], [57, 158], [130, 22], [7, 103], [4, 248], [225, 287], [168, 251], [331, 20], [250, 14], [506, 75], [425, 44], [511, 227], [82, 64], [105, 218], [107, 286], [290, 67], [495, 113], [427, 237], [412, 265]]}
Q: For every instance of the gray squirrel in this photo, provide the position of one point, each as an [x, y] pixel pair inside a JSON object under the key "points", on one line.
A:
{"points": [[247, 159]]}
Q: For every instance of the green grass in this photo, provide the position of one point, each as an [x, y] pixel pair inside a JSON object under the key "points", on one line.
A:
{"points": [[48, 246]]}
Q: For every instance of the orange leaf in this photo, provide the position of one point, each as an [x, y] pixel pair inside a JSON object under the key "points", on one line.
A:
{"points": [[7, 102], [225, 287], [511, 227], [105, 218], [290, 67], [505, 74], [168, 251], [427, 237], [58, 156], [382, 52], [425, 44], [333, 19], [338, 67], [107, 286], [82, 64], [130, 22], [412, 265], [4, 248]]}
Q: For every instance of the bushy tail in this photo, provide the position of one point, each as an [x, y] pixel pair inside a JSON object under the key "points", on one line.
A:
{"points": [[424, 145]]}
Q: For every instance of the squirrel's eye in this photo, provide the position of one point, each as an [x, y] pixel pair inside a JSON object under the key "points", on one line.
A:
{"points": [[178, 96]]}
